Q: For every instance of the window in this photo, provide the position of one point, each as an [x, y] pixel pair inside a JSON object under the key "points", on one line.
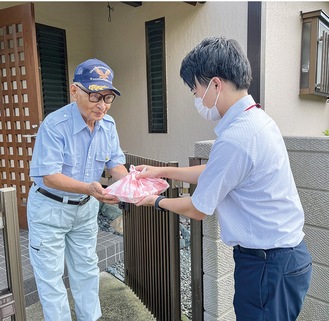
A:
{"points": [[314, 74], [53, 67], [156, 75]]}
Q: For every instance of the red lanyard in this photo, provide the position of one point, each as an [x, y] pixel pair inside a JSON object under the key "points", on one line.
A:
{"points": [[255, 105]]}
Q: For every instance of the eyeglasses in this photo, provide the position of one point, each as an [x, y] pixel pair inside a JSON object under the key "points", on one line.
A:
{"points": [[96, 97]]}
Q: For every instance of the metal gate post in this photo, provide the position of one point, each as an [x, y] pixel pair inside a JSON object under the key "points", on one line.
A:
{"points": [[196, 260], [174, 266], [14, 305]]}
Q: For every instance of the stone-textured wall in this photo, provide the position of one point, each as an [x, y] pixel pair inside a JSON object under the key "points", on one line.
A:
{"points": [[218, 283], [218, 264], [309, 157]]}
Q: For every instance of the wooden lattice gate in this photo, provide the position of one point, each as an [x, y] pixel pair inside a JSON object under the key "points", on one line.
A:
{"points": [[20, 109]]}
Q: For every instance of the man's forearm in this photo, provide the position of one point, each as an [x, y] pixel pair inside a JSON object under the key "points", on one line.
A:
{"points": [[184, 174]]}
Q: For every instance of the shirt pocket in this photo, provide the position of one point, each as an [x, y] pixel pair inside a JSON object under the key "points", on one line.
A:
{"points": [[101, 158], [71, 164]]}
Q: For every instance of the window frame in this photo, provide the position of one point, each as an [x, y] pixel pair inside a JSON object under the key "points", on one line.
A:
{"points": [[156, 124], [314, 68], [53, 67]]}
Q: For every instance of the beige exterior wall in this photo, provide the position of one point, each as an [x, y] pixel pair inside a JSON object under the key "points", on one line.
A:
{"points": [[121, 43], [294, 115], [75, 18]]}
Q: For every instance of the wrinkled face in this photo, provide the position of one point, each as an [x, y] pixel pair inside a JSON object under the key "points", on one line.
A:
{"points": [[91, 111]]}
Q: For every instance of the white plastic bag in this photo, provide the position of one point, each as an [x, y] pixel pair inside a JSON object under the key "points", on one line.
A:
{"points": [[132, 190]]}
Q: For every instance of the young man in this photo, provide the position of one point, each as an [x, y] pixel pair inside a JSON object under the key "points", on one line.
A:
{"points": [[73, 146], [247, 182]]}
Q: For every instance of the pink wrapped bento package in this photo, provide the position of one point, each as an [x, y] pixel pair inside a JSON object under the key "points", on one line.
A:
{"points": [[132, 190]]}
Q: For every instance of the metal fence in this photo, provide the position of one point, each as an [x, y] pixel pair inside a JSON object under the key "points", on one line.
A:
{"points": [[152, 252], [196, 258]]}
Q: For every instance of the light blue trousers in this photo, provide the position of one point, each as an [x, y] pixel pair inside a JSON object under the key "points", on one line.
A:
{"points": [[59, 232]]}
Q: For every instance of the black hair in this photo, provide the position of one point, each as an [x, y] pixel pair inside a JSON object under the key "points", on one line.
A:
{"points": [[216, 57]]}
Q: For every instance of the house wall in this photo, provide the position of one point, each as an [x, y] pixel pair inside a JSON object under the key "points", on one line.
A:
{"points": [[295, 115], [75, 18], [185, 27], [122, 42]]}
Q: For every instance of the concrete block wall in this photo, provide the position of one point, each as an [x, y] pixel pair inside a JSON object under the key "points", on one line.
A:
{"points": [[218, 264], [218, 270], [309, 158]]}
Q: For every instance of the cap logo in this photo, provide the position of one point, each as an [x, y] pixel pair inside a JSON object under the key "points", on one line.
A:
{"points": [[97, 87], [103, 75]]}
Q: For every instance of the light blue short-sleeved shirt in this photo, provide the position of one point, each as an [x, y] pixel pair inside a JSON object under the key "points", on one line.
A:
{"points": [[248, 182], [64, 144]]}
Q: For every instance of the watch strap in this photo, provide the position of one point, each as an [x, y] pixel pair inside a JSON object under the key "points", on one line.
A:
{"points": [[156, 204]]}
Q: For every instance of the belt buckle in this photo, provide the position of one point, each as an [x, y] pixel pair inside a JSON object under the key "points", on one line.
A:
{"points": [[84, 200]]}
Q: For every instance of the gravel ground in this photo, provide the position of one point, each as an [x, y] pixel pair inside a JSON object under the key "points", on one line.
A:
{"points": [[186, 291]]}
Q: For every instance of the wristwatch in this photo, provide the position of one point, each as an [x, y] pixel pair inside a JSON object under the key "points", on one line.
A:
{"points": [[156, 204]]}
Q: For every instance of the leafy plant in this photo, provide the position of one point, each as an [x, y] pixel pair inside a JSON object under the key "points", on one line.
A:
{"points": [[326, 132]]}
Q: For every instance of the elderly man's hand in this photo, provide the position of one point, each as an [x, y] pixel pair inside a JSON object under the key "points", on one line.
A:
{"points": [[96, 190]]}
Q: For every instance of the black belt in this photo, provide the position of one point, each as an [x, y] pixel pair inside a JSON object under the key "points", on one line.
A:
{"points": [[61, 199], [256, 252]]}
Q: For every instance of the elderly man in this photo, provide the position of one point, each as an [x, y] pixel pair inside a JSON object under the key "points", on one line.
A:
{"points": [[73, 146]]}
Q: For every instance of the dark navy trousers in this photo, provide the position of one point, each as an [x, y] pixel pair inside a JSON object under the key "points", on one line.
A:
{"points": [[271, 285]]}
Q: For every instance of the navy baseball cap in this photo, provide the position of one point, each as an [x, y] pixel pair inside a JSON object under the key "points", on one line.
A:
{"points": [[95, 75]]}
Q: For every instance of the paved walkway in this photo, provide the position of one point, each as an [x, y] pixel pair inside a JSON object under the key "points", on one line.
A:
{"points": [[118, 303], [109, 250]]}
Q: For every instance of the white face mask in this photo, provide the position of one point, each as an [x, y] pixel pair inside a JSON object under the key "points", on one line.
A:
{"points": [[210, 114]]}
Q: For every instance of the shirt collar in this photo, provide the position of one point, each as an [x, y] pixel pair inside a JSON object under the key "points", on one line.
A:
{"points": [[235, 110], [78, 122]]}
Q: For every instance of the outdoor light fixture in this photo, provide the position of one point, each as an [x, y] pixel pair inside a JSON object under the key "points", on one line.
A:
{"points": [[314, 72]]}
